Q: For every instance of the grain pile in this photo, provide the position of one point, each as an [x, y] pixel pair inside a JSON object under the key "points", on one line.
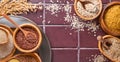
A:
{"points": [[7, 48], [76, 22], [113, 50], [112, 17], [3, 36], [15, 7], [90, 10], [97, 58]]}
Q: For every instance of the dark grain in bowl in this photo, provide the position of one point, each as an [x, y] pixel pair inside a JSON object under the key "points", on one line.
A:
{"points": [[37, 44], [23, 42]]}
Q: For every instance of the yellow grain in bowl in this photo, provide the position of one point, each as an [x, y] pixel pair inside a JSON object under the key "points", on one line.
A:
{"points": [[14, 60], [110, 19]]}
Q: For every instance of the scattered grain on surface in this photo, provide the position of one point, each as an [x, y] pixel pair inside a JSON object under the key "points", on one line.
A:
{"points": [[75, 21], [97, 58]]}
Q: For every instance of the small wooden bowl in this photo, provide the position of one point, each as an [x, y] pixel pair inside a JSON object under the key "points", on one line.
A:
{"points": [[103, 24], [11, 54], [101, 49], [39, 34], [87, 18], [35, 55]]}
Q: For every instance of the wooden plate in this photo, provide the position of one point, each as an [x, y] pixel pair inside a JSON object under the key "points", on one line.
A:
{"points": [[44, 51]]}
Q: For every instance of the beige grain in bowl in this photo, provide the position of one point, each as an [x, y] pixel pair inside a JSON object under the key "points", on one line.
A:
{"points": [[109, 46], [7, 49], [26, 57], [3, 35], [88, 9], [21, 42]]}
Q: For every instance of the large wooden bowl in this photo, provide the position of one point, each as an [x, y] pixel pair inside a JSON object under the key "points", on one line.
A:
{"points": [[87, 18], [101, 47], [39, 39], [11, 54], [113, 32]]}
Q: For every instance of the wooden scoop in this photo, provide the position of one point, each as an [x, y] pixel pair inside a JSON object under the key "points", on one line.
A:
{"points": [[84, 3], [101, 46], [26, 33], [106, 43]]}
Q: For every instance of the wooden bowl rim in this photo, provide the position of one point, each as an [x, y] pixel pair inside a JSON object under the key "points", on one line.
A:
{"points": [[87, 18], [100, 47], [14, 49], [39, 42], [103, 25], [35, 55]]}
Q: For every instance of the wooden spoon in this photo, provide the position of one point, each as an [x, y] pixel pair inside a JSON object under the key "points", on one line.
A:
{"points": [[27, 34], [105, 43], [84, 3]]}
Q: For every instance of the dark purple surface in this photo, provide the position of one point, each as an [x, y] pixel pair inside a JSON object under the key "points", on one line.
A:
{"points": [[105, 1], [64, 56], [67, 45], [115, 0], [62, 37], [37, 17], [60, 1], [88, 55], [87, 39]]}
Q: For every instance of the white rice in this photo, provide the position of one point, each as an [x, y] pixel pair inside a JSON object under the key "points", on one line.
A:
{"points": [[7, 48]]}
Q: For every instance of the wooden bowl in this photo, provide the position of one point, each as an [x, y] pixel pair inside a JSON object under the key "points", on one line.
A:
{"points": [[113, 32], [39, 39], [101, 48], [11, 54], [35, 55], [87, 18]]}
